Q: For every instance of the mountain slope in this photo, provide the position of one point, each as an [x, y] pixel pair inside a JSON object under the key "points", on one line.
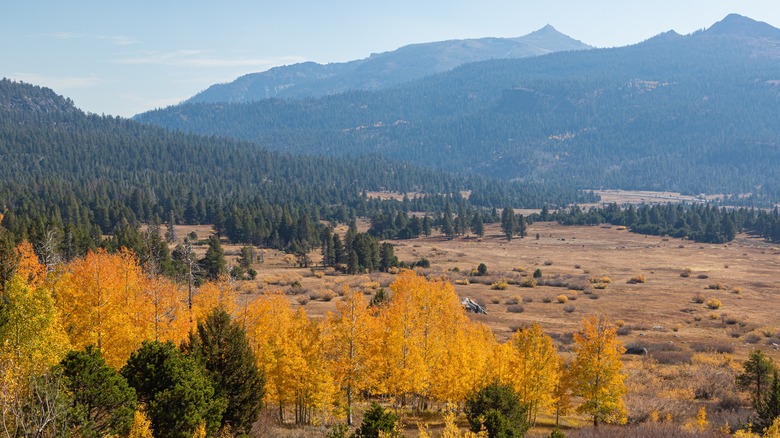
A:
{"points": [[689, 113], [85, 176], [383, 70]]}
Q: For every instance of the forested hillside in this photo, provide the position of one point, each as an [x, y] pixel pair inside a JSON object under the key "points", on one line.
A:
{"points": [[383, 70], [83, 176], [692, 113]]}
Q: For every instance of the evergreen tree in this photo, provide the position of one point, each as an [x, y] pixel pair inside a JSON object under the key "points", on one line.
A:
{"points": [[102, 402], [339, 255], [768, 409], [377, 421], [221, 347], [522, 226], [498, 408], [757, 377], [175, 388], [508, 223], [387, 258], [213, 263], [477, 226]]}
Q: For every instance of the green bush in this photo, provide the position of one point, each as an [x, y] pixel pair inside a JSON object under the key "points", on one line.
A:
{"points": [[499, 409], [377, 419]]}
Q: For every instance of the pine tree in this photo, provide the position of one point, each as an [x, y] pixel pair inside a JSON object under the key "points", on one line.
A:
{"points": [[103, 403], [175, 388], [757, 376], [768, 409], [508, 223], [477, 226], [213, 263], [221, 347]]}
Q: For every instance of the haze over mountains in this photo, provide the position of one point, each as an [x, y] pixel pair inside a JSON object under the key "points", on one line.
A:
{"points": [[383, 70], [693, 113]]}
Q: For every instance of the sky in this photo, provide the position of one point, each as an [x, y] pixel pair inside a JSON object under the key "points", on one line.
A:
{"points": [[125, 57]]}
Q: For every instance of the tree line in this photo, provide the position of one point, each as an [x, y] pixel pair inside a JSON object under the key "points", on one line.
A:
{"points": [[699, 222]]}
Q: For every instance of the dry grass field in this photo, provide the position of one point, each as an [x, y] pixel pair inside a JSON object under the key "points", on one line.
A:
{"points": [[686, 302], [742, 275]]}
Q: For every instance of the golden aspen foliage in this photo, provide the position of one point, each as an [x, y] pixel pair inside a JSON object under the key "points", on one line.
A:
{"points": [[103, 304], [534, 369], [28, 266], [467, 364], [211, 295], [350, 336], [290, 353], [451, 429], [562, 393], [773, 431], [31, 335], [403, 368], [701, 418], [141, 427], [428, 345], [166, 310], [200, 432], [597, 371]]}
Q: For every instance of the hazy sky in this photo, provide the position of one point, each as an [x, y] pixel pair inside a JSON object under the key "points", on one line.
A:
{"points": [[126, 57]]}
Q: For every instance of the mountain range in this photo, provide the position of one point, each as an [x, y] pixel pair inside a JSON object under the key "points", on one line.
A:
{"points": [[383, 70], [692, 113]]}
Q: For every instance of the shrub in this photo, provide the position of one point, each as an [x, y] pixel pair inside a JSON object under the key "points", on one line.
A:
{"points": [[518, 269], [515, 309], [594, 296], [495, 301], [422, 263], [511, 301], [699, 298], [548, 263], [714, 303], [482, 269], [499, 409], [322, 295], [499, 285], [686, 272], [547, 299], [624, 330], [462, 281], [577, 266], [671, 357], [561, 299], [377, 420], [302, 300], [736, 290], [600, 286], [717, 286], [637, 279], [538, 273], [702, 276], [569, 308], [528, 282], [528, 299], [370, 285]]}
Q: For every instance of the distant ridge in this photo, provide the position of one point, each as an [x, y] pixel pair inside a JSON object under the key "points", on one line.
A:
{"points": [[382, 70], [741, 26], [693, 114]]}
